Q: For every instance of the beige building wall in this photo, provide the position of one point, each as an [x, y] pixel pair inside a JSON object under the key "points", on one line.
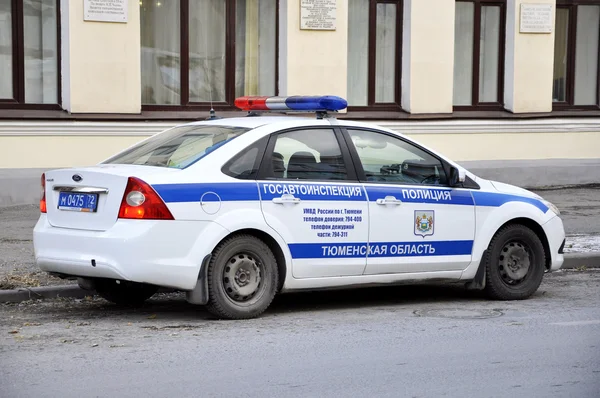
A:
{"points": [[427, 56], [528, 64], [514, 146], [52, 149], [55, 151], [314, 61], [100, 62], [101, 73]]}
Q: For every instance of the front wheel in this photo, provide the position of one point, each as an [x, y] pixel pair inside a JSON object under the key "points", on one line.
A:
{"points": [[242, 278], [515, 263], [124, 292]]}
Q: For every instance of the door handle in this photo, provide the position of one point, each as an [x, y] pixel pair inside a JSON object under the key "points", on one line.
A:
{"points": [[286, 199], [388, 200]]}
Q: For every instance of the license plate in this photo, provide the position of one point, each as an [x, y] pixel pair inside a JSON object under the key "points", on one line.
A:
{"points": [[75, 201]]}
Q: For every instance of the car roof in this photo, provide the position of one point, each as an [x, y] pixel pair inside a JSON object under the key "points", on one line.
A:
{"points": [[253, 121]]}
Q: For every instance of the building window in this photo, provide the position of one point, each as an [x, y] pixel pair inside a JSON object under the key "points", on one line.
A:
{"points": [[576, 51], [29, 54], [223, 49], [479, 54], [374, 51]]}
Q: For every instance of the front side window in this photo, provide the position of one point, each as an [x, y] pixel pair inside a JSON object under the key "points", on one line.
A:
{"points": [[388, 159], [478, 53], [195, 54], [310, 154], [29, 53], [374, 43], [576, 80], [178, 147]]}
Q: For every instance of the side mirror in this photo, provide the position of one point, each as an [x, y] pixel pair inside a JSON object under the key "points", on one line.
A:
{"points": [[456, 176]]}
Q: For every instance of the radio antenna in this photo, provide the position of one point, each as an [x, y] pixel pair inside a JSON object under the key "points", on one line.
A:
{"points": [[211, 114]]}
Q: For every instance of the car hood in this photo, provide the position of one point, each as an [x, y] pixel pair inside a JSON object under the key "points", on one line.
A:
{"points": [[514, 190]]}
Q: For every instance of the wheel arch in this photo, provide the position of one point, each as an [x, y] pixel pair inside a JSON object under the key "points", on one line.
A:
{"points": [[273, 245], [478, 281], [537, 229]]}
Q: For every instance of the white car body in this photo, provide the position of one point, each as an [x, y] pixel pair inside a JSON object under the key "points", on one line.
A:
{"points": [[379, 243]]}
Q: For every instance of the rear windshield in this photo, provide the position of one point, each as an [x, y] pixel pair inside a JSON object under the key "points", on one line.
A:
{"points": [[178, 147]]}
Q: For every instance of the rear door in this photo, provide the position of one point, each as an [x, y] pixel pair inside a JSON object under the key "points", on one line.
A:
{"points": [[311, 197], [417, 222]]}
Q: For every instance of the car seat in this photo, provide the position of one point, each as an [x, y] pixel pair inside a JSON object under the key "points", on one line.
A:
{"points": [[332, 167], [277, 165], [302, 165]]}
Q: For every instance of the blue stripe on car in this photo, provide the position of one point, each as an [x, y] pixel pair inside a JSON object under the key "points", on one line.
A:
{"points": [[240, 191], [337, 192], [381, 249], [227, 192], [421, 195], [493, 199]]}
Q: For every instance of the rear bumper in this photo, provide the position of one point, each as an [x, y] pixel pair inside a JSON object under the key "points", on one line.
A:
{"points": [[164, 253], [555, 233]]}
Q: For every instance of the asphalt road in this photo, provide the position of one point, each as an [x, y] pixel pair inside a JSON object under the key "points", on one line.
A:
{"points": [[396, 342], [579, 207]]}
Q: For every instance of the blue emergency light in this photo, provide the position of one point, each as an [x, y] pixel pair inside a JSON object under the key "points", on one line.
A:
{"points": [[296, 103]]}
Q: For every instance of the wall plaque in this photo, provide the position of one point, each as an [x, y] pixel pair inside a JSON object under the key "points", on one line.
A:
{"points": [[105, 10], [536, 18], [318, 14]]}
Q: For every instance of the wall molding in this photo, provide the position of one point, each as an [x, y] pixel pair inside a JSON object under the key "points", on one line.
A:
{"points": [[84, 129], [413, 127], [494, 126]]}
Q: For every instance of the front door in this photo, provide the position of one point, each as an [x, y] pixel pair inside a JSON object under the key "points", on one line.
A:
{"points": [[417, 223], [314, 201]]}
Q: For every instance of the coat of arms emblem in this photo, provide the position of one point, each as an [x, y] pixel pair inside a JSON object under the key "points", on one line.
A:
{"points": [[424, 220]]}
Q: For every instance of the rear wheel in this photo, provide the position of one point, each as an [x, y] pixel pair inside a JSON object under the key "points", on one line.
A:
{"points": [[124, 292], [515, 263], [242, 278]]}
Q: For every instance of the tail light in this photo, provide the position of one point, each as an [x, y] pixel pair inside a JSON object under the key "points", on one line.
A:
{"points": [[43, 194], [140, 201]]}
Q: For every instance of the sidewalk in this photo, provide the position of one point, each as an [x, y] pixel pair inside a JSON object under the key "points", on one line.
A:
{"points": [[580, 211]]}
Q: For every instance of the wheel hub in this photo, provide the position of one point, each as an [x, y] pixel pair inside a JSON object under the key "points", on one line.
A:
{"points": [[241, 277], [514, 262]]}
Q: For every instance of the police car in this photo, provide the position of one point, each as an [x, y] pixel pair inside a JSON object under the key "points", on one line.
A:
{"points": [[236, 210]]}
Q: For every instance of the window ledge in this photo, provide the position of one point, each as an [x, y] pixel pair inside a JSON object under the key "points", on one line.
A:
{"points": [[195, 115], [145, 127], [466, 115], [39, 114]]}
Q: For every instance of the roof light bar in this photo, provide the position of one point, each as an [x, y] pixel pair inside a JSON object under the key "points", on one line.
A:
{"points": [[293, 103]]}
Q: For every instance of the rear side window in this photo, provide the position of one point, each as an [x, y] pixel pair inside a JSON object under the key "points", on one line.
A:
{"points": [[178, 147], [245, 164]]}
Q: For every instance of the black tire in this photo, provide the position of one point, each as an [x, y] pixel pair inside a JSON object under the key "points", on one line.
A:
{"points": [[125, 292], [242, 278], [514, 263]]}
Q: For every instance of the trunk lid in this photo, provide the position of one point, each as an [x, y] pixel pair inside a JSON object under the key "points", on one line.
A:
{"points": [[89, 198]]}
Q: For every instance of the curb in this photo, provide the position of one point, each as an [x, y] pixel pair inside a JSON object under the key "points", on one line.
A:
{"points": [[575, 260], [45, 292], [572, 261], [51, 292]]}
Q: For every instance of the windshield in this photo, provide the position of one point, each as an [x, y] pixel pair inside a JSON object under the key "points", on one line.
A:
{"points": [[178, 147]]}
